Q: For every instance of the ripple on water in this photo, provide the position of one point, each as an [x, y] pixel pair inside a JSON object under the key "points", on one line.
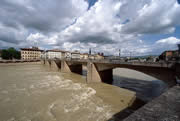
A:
{"points": [[49, 97], [82, 100]]}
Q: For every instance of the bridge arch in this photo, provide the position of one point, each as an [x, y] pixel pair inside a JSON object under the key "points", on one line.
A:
{"points": [[167, 75], [164, 74]]}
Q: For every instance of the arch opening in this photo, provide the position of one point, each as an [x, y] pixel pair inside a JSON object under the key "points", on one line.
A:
{"points": [[145, 86]]}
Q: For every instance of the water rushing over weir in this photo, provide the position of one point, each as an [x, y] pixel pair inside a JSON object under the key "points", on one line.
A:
{"points": [[32, 92]]}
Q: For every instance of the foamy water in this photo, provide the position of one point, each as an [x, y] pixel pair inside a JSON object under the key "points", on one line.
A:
{"points": [[33, 93]]}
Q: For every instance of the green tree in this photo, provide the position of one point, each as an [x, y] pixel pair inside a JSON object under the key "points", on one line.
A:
{"points": [[5, 54], [10, 54]]}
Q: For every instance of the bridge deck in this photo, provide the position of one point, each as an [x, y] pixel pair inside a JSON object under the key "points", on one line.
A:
{"points": [[112, 62]]}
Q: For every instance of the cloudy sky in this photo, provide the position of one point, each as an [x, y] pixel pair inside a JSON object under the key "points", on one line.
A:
{"points": [[140, 27]]}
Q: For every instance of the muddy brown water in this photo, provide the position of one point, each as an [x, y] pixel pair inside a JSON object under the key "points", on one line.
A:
{"points": [[33, 92]]}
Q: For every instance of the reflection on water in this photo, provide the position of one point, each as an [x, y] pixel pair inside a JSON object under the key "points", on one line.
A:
{"points": [[146, 87], [35, 93]]}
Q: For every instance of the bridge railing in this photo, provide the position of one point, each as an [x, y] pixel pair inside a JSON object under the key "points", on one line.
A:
{"points": [[109, 61]]}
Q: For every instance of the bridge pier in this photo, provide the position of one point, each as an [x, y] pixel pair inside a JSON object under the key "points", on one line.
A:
{"points": [[43, 62], [64, 67], [103, 71], [71, 67], [47, 63], [55, 65], [96, 75]]}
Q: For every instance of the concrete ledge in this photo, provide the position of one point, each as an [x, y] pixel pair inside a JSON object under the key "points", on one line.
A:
{"points": [[164, 108]]}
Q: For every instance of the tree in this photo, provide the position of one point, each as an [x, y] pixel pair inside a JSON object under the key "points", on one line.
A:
{"points": [[10, 54], [5, 55]]}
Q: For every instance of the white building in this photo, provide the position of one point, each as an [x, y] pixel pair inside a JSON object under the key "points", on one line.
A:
{"points": [[75, 55], [53, 54], [68, 54]]}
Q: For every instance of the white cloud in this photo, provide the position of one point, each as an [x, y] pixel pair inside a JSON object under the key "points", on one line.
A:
{"points": [[156, 16], [170, 40], [108, 26]]}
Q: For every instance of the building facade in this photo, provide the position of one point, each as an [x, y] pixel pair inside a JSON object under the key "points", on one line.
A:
{"points": [[33, 53], [55, 54], [75, 55], [98, 57], [91, 57], [171, 55], [68, 54], [84, 56]]}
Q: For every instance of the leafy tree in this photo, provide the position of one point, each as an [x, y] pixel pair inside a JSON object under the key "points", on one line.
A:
{"points": [[5, 54], [10, 54]]}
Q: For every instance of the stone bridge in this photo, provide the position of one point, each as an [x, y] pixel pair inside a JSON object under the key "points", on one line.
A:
{"points": [[102, 70]]}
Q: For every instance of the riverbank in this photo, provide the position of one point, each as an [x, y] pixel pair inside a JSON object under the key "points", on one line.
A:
{"points": [[16, 64], [18, 61]]}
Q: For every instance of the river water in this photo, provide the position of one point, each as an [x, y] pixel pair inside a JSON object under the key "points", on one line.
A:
{"points": [[33, 92], [146, 87]]}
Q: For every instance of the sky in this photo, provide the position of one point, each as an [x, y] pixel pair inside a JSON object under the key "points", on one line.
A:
{"points": [[139, 27]]}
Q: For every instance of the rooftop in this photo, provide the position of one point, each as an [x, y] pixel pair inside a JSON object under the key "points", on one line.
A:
{"points": [[31, 49], [56, 50]]}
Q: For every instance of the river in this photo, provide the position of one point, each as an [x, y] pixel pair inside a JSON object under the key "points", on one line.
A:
{"points": [[146, 87], [33, 92]]}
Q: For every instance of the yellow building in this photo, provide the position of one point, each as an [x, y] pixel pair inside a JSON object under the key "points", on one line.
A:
{"points": [[33, 53], [84, 56], [98, 57]]}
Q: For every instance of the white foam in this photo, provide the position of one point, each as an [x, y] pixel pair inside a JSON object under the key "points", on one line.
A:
{"points": [[87, 93], [49, 112], [32, 86], [76, 86], [99, 109], [11, 119], [71, 109]]}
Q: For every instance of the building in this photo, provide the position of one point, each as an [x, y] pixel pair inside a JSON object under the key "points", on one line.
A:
{"points": [[75, 55], [91, 57], [170, 55], [43, 54], [67, 54], [55, 53], [98, 57], [152, 59], [84, 56], [33, 53]]}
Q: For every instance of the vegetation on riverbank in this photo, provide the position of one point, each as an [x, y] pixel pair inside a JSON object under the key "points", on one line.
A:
{"points": [[10, 53]]}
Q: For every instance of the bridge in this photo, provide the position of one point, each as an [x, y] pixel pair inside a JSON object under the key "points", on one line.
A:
{"points": [[102, 70]]}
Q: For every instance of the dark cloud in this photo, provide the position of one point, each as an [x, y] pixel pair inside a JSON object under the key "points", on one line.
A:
{"points": [[45, 16], [96, 39]]}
